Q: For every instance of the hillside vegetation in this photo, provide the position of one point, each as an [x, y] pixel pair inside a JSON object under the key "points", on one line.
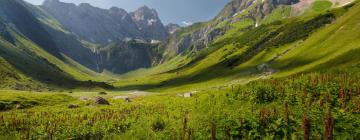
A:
{"points": [[30, 58], [284, 47], [276, 77]]}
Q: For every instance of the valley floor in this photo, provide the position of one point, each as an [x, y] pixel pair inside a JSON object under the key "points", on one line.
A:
{"points": [[316, 105], [294, 78]]}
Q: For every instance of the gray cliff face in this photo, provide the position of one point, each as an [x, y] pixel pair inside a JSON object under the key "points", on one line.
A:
{"points": [[261, 8], [149, 24], [171, 28], [195, 41], [103, 26], [124, 56], [113, 29]]}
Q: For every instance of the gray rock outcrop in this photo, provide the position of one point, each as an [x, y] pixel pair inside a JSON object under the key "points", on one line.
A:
{"points": [[101, 101]]}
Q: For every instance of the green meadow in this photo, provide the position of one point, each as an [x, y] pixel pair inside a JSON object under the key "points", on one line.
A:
{"points": [[288, 78]]}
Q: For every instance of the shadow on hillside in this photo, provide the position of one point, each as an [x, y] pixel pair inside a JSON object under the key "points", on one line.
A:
{"points": [[39, 69], [210, 73], [73, 48], [218, 70]]}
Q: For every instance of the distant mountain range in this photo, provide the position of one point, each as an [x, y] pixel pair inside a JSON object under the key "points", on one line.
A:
{"points": [[103, 26]]}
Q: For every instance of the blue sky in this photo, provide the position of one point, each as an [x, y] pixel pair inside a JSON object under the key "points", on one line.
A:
{"points": [[174, 11]]}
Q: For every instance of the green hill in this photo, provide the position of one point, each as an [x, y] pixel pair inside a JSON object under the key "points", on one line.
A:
{"points": [[250, 73], [30, 56], [277, 49]]}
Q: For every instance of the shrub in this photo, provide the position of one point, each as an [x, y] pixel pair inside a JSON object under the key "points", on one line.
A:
{"points": [[158, 125], [102, 93], [263, 94]]}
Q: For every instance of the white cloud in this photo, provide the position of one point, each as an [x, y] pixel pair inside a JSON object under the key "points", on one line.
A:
{"points": [[187, 23]]}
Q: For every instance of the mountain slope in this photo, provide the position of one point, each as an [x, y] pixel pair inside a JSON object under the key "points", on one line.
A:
{"points": [[28, 59], [27, 25], [248, 13], [149, 24], [86, 32], [239, 16], [243, 44], [124, 56], [66, 42], [281, 48], [102, 26], [288, 77]]}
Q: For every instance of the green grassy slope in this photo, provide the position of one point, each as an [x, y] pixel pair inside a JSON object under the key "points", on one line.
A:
{"points": [[21, 100], [308, 89], [288, 46], [27, 66], [77, 54], [29, 61], [326, 45], [297, 107], [237, 16]]}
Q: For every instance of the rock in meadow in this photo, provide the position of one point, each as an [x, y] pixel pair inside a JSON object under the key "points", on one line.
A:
{"points": [[102, 93], [72, 106], [101, 101], [125, 98]]}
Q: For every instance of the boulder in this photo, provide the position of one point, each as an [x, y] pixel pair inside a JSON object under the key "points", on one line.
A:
{"points": [[266, 69], [102, 93], [84, 98], [125, 98], [262, 67], [72, 106], [188, 95], [101, 101], [19, 106]]}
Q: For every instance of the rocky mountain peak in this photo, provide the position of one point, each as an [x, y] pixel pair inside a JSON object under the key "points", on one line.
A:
{"points": [[144, 13], [102, 26], [56, 3], [85, 5], [149, 23], [50, 1], [147, 10], [117, 10], [265, 6]]}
